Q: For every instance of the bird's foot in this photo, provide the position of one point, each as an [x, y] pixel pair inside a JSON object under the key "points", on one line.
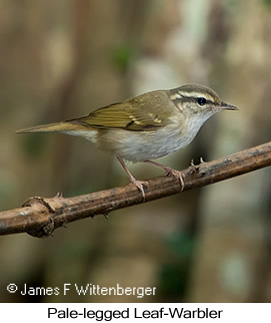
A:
{"points": [[177, 174], [169, 172], [140, 185]]}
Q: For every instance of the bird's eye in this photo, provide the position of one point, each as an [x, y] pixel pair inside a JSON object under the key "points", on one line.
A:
{"points": [[201, 101]]}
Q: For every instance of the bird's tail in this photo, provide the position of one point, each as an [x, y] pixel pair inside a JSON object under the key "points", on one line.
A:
{"points": [[69, 128], [52, 127]]}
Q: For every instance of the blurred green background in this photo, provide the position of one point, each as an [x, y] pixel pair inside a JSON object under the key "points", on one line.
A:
{"points": [[62, 59]]}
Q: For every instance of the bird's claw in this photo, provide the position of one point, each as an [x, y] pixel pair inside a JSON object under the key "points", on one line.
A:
{"points": [[177, 174], [140, 185]]}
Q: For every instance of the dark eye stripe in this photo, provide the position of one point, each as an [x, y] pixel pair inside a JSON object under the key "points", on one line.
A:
{"points": [[206, 101], [192, 99], [195, 98]]}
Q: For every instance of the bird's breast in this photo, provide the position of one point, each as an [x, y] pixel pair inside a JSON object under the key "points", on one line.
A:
{"points": [[143, 145]]}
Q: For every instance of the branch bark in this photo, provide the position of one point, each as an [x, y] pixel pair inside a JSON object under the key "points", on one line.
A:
{"points": [[40, 216]]}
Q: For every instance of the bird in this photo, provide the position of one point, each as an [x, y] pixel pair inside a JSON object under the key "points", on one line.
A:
{"points": [[145, 127]]}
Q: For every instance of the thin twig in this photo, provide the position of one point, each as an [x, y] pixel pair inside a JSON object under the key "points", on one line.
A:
{"points": [[40, 216]]}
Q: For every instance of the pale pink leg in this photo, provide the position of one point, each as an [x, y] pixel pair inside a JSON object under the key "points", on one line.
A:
{"points": [[139, 184], [169, 171]]}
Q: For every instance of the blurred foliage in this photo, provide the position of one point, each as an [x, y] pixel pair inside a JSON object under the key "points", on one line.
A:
{"points": [[33, 146], [267, 3], [174, 276], [182, 243], [173, 282], [123, 56]]}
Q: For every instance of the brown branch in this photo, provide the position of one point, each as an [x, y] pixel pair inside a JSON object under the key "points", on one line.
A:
{"points": [[40, 216]]}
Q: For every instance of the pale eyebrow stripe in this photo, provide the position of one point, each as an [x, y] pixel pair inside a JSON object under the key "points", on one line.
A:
{"points": [[175, 96], [194, 94]]}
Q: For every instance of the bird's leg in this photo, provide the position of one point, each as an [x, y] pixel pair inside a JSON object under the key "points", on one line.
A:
{"points": [[139, 184], [169, 171]]}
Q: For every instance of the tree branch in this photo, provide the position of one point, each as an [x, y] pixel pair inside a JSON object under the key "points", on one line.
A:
{"points": [[40, 216]]}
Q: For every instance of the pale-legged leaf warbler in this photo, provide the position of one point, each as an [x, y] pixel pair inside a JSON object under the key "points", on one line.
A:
{"points": [[149, 126]]}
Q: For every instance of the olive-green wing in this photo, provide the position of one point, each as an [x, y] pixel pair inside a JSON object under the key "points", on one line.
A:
{"points": [[145, 112]]}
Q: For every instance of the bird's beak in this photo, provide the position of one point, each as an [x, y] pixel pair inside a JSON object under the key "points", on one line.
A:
{"points": [[227, 106]]}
